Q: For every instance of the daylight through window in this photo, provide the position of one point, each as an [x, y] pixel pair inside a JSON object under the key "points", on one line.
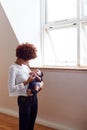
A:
{"points": [[65, 33]]}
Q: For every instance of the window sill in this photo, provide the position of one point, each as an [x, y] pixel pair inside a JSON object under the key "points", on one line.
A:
{"points": [[62, 68]]}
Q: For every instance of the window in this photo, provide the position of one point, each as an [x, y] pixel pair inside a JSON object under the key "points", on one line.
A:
{"points": [[57, 27], [65, 33]]}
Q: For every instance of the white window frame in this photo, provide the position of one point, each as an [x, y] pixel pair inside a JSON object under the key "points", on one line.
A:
{"points": [[61, 24]]}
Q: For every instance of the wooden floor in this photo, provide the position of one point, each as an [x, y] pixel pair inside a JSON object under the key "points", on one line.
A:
{"points": [[11, 123]]}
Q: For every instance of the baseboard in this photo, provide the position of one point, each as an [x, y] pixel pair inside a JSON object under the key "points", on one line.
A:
{"points": [[9, 112], [53, 125], [38, 120]]}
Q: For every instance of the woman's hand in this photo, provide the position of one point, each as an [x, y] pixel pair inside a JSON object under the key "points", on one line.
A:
{"points": [[30, 79]]}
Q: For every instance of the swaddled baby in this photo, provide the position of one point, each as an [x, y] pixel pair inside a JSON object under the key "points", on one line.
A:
{"points": [[35, 84]]}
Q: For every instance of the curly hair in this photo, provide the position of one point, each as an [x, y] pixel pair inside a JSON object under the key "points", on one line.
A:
{"points": [[26, 51]]}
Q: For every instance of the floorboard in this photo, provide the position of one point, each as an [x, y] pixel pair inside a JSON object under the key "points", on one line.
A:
{"points": [[11, 123]]}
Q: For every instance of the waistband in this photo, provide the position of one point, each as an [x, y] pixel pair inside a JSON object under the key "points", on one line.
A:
{"points": [[25, 96]]}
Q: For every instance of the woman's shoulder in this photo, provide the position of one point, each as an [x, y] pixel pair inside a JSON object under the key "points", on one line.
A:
{"points": [[12, 67], [15, 66]]}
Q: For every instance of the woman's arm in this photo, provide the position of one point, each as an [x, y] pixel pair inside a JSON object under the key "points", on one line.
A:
{"points": [[12, 81], [13, 86]]}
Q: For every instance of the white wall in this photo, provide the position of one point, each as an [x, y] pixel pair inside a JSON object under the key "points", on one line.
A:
{"points": [[25, 21], [62, 102], [64, 98], [8, 44]]}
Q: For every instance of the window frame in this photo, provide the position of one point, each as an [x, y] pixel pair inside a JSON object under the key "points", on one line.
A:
{"points": [[61, 24]]}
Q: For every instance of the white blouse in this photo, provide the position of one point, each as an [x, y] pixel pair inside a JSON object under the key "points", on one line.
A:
{"points": [[17, 75]]}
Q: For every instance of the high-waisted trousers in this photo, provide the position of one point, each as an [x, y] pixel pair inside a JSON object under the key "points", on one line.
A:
{"points": [[28, 107]]}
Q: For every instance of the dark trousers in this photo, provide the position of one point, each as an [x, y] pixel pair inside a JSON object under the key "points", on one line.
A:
{"points": [[27, 112]]}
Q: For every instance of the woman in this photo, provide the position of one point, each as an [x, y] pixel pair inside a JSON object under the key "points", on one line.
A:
{"points": [[18, 82]]}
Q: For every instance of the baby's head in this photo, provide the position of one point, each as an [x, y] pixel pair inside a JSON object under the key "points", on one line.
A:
{"points": [[37, 71]]}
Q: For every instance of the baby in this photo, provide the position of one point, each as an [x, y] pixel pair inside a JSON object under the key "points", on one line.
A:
{"points": [[35, 84]]}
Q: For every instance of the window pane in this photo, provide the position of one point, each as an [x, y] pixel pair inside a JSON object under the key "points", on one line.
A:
{"points": [[61, 9], [61, 46], [83, 47], [84, 11]]}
